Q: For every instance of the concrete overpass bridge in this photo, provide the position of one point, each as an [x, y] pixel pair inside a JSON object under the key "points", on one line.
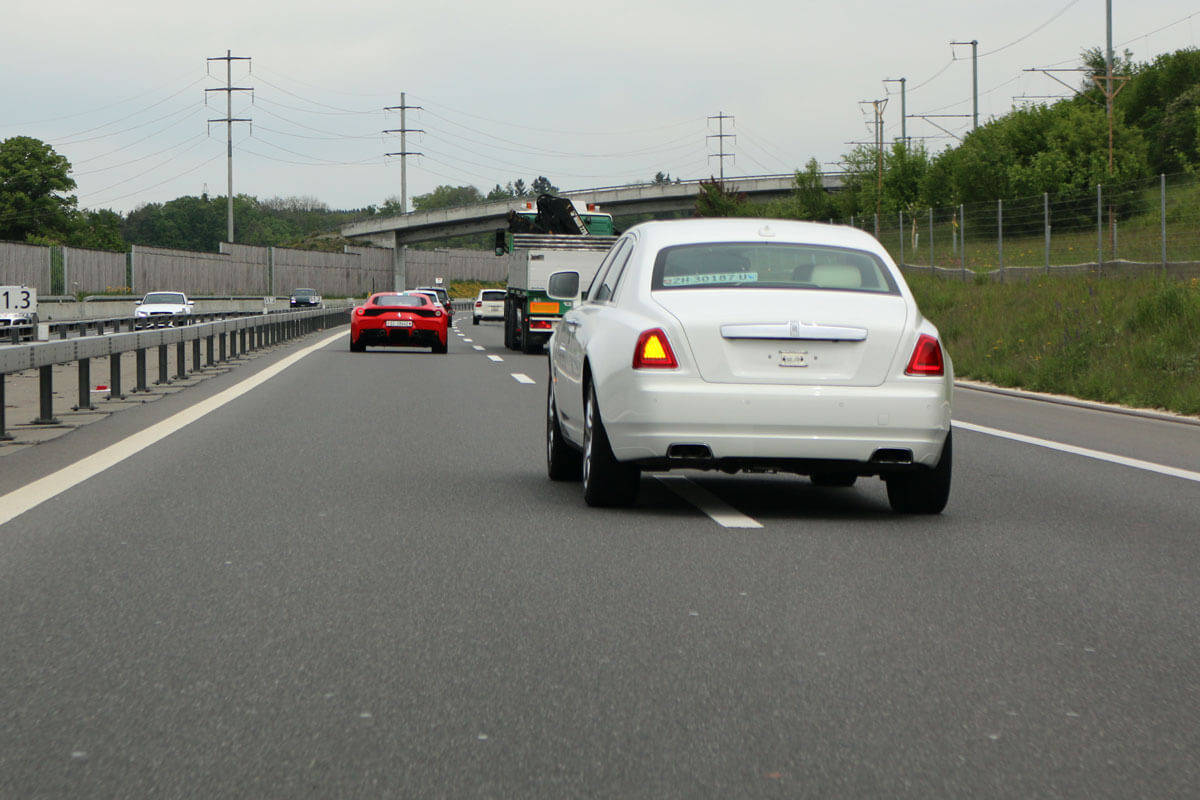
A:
{"points": [[421, 226]]}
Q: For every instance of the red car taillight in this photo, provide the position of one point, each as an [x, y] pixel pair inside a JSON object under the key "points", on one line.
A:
{"points": [[358, 312], [653, 351], [479, 304], [926, 358]]}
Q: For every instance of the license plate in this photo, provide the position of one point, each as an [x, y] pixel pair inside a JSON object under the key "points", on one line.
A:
{"points": [[399, 323], [793, 359]]}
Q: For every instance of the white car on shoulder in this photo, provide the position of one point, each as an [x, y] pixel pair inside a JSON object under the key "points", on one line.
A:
{"points": [[489, 304], [158, 309], [748, 345]]}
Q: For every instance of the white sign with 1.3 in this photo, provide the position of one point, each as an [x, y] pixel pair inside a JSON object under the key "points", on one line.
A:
{"points": [[18, 299]]}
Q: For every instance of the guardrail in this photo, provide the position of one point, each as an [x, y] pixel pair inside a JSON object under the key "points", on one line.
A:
{"points": [[222, 339], [101, 325]]}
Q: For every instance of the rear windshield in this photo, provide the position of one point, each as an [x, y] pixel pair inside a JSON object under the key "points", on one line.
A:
{"points": [[493, 295], [400, 300], [774, 265]]}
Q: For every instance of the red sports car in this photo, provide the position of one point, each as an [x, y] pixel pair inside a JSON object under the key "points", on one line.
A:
{"points": [[399, 319]]}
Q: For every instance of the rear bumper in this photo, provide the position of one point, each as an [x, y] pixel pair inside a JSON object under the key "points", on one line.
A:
{"points": [[158, 320], [381, 335], [745, 426]]}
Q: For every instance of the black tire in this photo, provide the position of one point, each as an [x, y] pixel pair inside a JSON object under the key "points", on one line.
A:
{"points": [[606, 481], [509, 317], [441, 349], [925, 491], [833, 479], [563, 462], [530, 346], [358, 347], [474, 320]]}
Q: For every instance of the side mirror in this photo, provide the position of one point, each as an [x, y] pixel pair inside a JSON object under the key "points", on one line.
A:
{"points": [[563, 285]]}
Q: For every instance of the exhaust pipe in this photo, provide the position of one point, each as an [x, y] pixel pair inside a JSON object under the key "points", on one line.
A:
{"points": [[689, 451], [892, 456]]}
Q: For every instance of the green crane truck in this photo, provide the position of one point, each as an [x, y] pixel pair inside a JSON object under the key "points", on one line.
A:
{"points": [[556, 236]]}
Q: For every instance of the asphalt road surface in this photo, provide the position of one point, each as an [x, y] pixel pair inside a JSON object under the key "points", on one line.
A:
{"points": [[353, 579]]}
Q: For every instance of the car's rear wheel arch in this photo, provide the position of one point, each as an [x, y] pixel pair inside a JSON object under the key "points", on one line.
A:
{"points": [[586, 382]]}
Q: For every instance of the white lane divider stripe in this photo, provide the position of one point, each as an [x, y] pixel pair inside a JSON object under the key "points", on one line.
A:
{"points": [[479, 347], [31, 495], [521, 377], [495, 358], [717, 509], [1099, 455]]}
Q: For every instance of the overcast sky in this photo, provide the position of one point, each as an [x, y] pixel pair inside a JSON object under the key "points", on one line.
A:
{"points": [[587, 94]]}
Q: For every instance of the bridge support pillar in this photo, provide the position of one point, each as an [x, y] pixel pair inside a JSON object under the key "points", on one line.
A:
{"points": [[399, 263]]}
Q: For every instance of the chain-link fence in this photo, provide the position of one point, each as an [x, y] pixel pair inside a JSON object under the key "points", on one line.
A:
{"points": [[1146, 225]]}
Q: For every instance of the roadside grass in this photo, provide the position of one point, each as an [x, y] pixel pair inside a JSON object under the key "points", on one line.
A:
{"points": [[469, 290], [1131, 341]]}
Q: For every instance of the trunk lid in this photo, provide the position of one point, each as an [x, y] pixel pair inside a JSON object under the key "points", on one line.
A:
{"points": [[807, 337]]}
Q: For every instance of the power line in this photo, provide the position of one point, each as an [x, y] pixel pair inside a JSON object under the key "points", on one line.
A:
{"points": [[720, 136], [229, 119], [404, 153]]}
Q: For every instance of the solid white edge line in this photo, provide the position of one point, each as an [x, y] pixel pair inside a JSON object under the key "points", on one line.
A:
{"points": [[31, 495], [1099, 455], [717, 509]]}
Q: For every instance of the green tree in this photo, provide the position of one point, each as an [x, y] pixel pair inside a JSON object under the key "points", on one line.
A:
{"points": [[809, 198], [34, 181], [447, 197], [1074, 154], [542, 185], [886, 183], [715, 200], [98, 230], [860, 178], [1159, 99], [185, 223], [391, 206], [499, 192]]}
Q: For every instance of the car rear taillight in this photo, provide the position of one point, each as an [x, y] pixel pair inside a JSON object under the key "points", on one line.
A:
{"points": [[926, 358], [360, 311], [479, 304], [653, 351]]}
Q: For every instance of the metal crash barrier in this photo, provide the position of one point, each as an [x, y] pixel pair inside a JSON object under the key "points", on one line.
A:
{"points": [[216, 341]]}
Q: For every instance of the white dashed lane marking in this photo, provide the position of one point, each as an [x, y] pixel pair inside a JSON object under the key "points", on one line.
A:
{"points": [[717, 509]]}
